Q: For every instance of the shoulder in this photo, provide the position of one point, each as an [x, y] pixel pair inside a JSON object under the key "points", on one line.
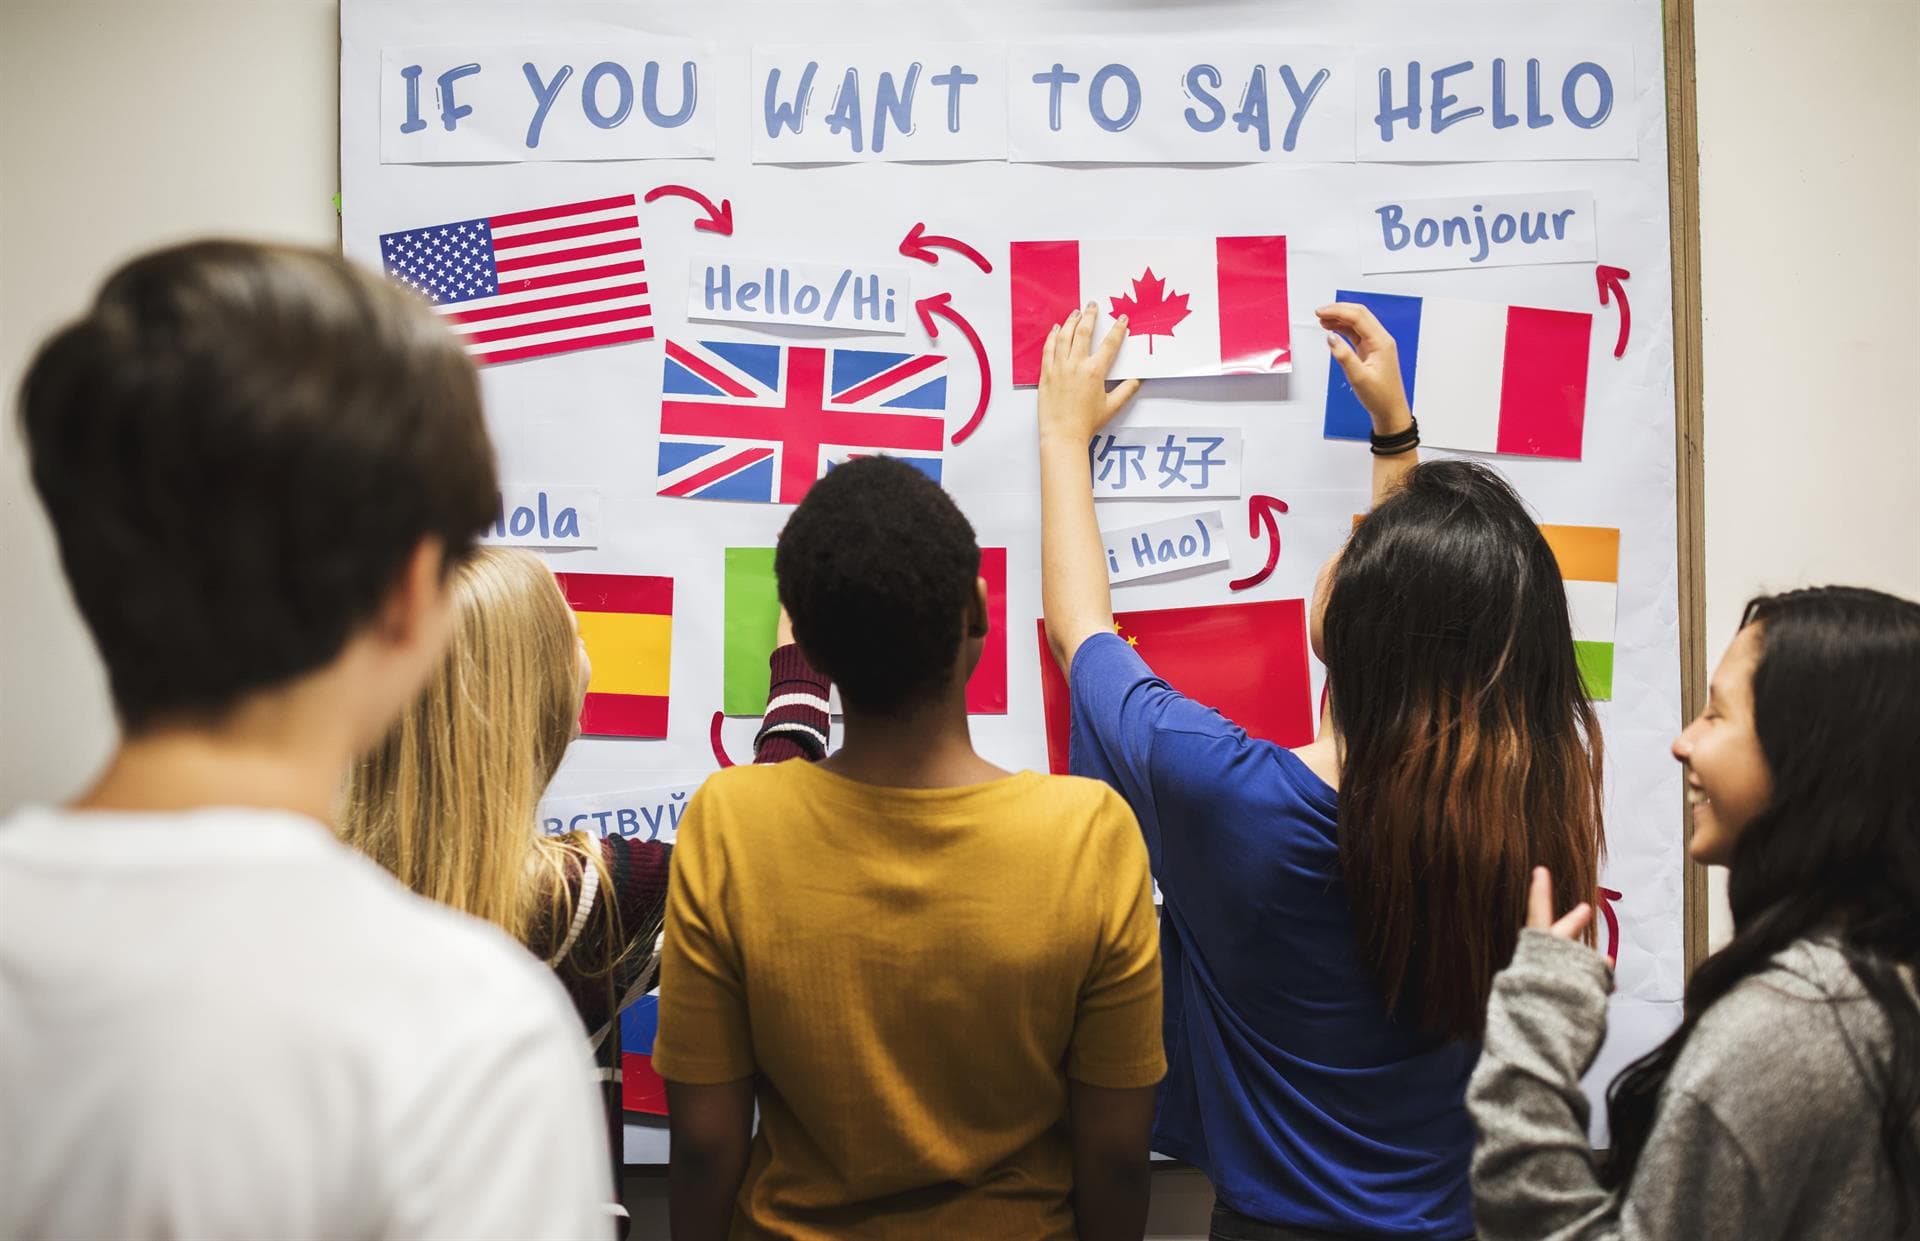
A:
{"points": [[1795, 1038]]}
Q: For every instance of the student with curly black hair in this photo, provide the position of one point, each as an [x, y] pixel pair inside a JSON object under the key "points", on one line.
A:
{"points": [[939, 980]]}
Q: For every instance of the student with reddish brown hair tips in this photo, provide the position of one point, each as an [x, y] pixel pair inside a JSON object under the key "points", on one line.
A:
{"points": [[1334, 915], [937, 979]]}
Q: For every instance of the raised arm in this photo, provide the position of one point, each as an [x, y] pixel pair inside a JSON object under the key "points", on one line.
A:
{"points": [[1366, 352], [1073, 404], [795, 725]]}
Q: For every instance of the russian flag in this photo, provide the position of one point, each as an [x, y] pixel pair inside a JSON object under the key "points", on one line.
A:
{"points": [[1480, 377], [1194, 305]]}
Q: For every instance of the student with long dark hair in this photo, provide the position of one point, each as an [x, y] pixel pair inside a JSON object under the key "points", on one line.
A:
{"points": [[1785, 1104], [1328, 954]]}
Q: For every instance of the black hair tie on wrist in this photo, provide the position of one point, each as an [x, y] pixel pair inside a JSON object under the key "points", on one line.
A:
{"points": [[1397, 443]]}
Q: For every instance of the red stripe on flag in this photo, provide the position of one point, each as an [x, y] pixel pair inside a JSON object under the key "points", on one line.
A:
{"points": [[574, 255], [563, 323], [732, 465], [887, 378], [624, 715], [536, 304], [1543, 383], [514, 218], [574, 276], [712, 374], [565, 232], [565, 345], [1252, 275], [617, 592], [1045, 278], [987, 687], [641, 1089]]}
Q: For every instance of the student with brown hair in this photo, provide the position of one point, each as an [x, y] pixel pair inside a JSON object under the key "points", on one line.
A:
{"points": [[1334, 915], [260, 465]]}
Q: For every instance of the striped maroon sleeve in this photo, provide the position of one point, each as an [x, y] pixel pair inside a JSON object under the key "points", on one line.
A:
{"points": [[796, 722]]}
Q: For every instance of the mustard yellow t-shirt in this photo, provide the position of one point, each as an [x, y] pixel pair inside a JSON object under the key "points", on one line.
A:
{"points": [[912, 975]]}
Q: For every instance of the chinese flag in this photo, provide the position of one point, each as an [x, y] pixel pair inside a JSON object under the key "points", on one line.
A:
{"points": [[1248, 661], [627, 623]]}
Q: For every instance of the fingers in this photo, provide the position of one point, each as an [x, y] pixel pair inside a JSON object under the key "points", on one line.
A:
{"points": [[1121, 394], [1110, 347], [1540, 900], [1084, 319], [1356, 321], [1342, 352], [1049, 350], [1574, 923]]}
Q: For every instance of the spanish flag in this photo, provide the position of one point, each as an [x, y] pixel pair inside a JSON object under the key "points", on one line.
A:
{"points": [[627, 623]]}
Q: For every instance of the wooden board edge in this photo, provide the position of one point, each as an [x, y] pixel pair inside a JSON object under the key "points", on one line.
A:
{"points": [[1683, 189]]}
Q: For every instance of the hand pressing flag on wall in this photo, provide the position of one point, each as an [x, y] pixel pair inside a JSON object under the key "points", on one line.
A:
{"points": [[627, 624], [525, 284], [1247, 661], [1194, 305], [1481, 377], [762, 422], [753, 612]]}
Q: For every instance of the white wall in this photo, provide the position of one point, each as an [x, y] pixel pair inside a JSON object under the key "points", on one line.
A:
{"points": [[1811, 279]]}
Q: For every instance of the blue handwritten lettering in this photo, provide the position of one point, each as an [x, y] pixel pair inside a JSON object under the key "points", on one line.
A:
{"points": [[413, 124], [1097, 98], [544, 93], [790, 116], [590, 94], [1054, 79], [650, 95], [1205, 95], [450, 112], [953, 79]]}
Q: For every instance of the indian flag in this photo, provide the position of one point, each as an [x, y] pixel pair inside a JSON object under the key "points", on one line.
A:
{"points": [[627, 624], [1589, 559]]}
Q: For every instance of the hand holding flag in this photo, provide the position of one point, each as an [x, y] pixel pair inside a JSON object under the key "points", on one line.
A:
{"points": [[1367, 353], [1074, 401]]}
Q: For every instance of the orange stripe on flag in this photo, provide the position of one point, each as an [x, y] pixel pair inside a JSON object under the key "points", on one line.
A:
{"points": [[1585, 553]]}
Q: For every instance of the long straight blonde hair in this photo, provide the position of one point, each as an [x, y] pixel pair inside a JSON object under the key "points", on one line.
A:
{"points": [[448, 801]]}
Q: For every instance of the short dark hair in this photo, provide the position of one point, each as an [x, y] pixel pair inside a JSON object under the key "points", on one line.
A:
{"points": [[877, 569], [239, 446]]}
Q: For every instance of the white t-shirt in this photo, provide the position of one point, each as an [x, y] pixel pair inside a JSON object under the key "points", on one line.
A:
{"points": [[225, 1023]]}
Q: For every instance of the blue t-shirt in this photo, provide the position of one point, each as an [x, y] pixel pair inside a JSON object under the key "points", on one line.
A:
{"points": [[1287, 1082]]}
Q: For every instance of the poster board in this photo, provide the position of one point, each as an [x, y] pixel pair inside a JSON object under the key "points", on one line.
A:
{"points": [[1029, 154]]}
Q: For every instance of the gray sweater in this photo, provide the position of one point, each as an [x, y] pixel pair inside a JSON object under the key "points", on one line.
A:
{"points": [[1769, 1125]]}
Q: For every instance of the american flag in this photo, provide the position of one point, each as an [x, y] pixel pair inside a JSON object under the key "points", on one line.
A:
{"points": [[762, 422], [530, 283]]}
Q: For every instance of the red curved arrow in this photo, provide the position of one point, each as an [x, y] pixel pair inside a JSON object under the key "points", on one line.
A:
{"points": [[719, 219], [940, 304], [719, 751], [1609, 279], [1262, 510], [1607, 897], [920, 244]]}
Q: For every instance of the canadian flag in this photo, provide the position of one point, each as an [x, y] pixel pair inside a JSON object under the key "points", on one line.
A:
{"points": [[1194, 305]]}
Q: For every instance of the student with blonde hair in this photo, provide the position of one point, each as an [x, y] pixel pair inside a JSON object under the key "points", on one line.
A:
{"points": [[447, 801]]}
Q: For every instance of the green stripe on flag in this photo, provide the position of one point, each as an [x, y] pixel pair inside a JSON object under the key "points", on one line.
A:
{"points": [[753, 613], [1596, 667]]}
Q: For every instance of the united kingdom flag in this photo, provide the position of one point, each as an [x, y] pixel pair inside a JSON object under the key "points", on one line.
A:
{"points": [[762, 422]]}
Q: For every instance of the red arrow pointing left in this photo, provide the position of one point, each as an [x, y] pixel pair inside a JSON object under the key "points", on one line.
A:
{"points": [[1262, 510], [1610, 280], [920, 244], [719, 219], [940, 304]]}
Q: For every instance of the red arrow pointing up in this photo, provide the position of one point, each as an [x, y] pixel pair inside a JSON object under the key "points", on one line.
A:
{"points": [[940, 304], [719, 751], [1607, 897], [1262, 510], [920, 244], [719, 219], [1610, 281]]}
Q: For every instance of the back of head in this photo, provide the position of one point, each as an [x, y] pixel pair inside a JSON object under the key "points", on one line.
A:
{"points": [[447, 800], [1472, 752], [877, 568], [240, 446]]}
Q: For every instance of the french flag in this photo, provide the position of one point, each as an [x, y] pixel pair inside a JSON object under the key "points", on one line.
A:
{"points": [[1194, 305], [1480, 377]]}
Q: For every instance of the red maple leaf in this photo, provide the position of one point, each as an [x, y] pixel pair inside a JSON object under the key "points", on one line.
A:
{"points": [[1150, 312]]}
